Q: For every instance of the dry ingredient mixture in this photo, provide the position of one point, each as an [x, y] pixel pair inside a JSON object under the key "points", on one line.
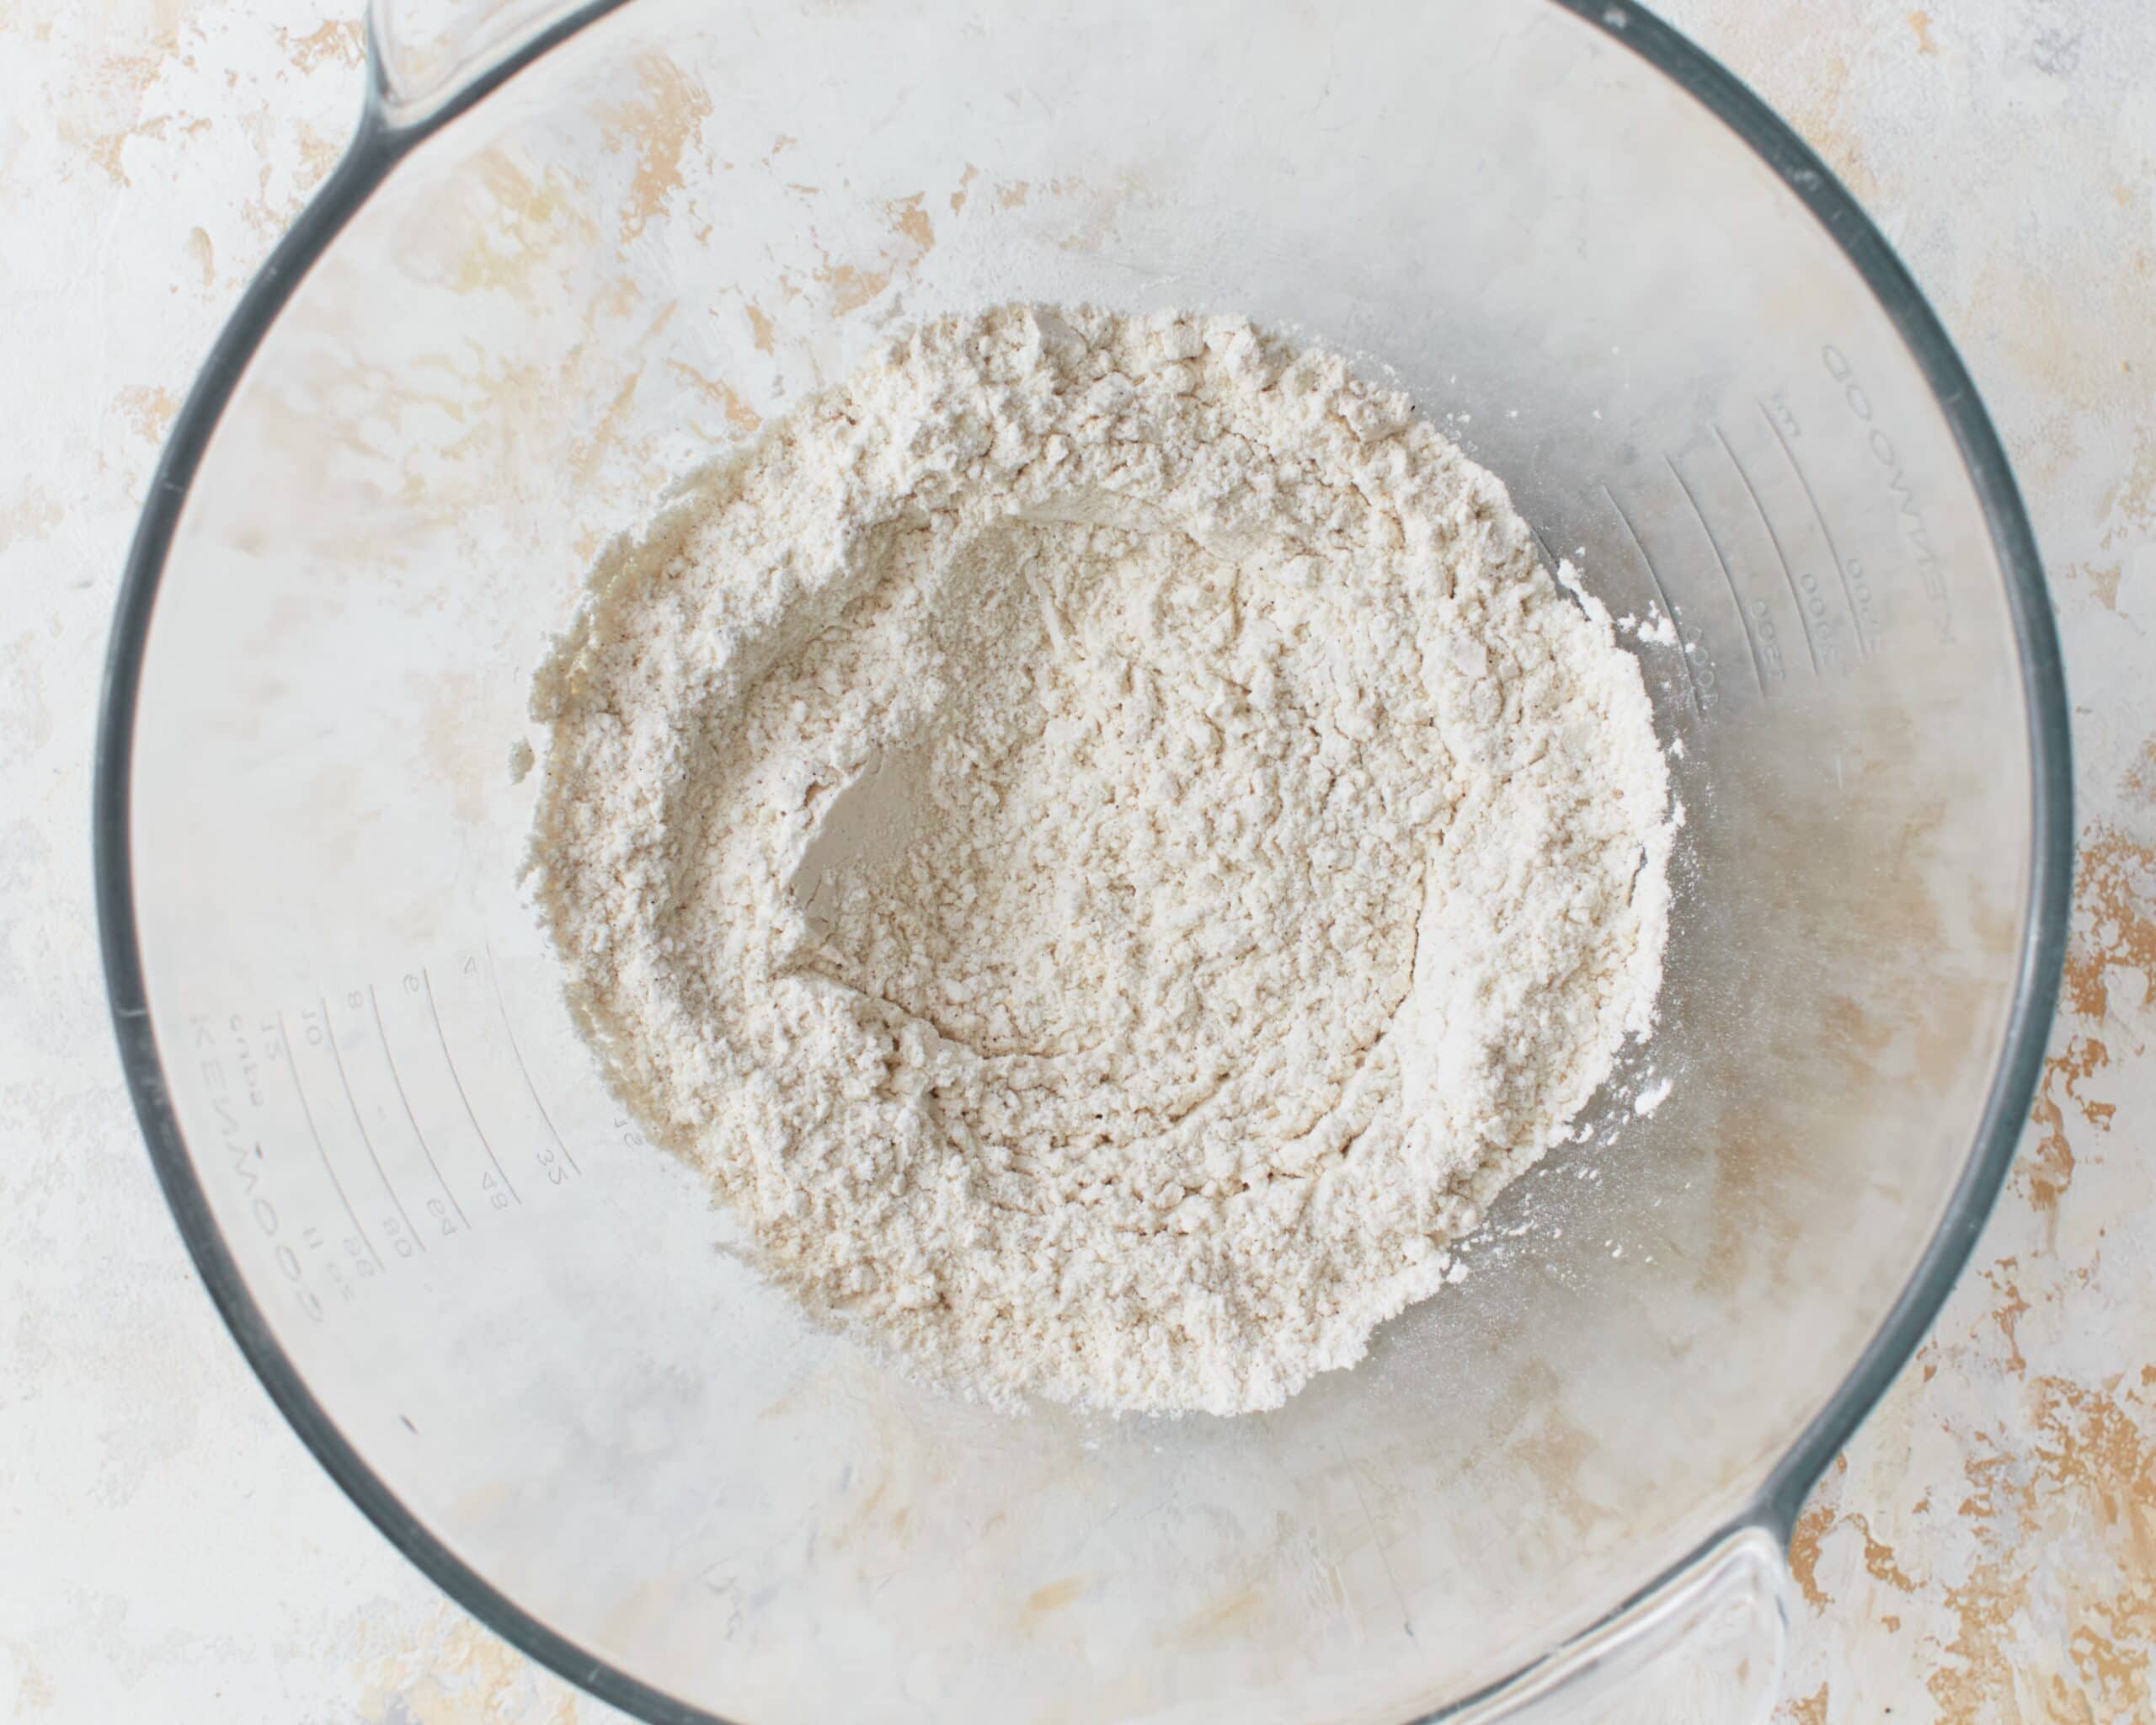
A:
{"points": [[1103, 841]]}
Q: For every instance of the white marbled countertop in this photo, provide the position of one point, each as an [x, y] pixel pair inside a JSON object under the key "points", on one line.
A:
{"points": [[1985, 1552]]}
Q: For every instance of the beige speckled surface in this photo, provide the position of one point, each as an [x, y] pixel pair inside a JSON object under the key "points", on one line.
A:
{"points": [[1985, 1550]]}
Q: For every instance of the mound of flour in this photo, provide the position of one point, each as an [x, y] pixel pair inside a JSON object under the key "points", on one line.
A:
{"points": [[1103, 841]]}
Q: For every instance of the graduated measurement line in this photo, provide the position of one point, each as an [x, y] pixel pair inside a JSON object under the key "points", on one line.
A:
{"points": [[501, 1005], [329, 1167], [1775, 539], [427, 982], [396, 1078], [1743, 622], [1567, 588], [1660, 592], [351, 1102], [1826, 532]]}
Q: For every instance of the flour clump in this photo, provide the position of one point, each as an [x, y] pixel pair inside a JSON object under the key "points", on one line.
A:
{"points": [[1103, 841]]}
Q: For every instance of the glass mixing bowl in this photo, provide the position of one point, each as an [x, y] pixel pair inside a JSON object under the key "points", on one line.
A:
{"points": [[568, 254]]}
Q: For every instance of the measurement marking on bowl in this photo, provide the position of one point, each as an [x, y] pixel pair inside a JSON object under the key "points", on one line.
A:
{"points": [[1660, 592], [397, 1079], [1721, 562], [456, 1078], [493, 976], [329, 1167], [1913, 531], [1865, 643], [351, 1102], [1775, 539]]}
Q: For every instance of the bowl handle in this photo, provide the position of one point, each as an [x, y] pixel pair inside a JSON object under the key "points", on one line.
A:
{"points": [[1703, 1649], [426, 58]]}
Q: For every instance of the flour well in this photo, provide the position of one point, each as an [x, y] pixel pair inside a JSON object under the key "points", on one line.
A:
{"points": [[1102, 839]]}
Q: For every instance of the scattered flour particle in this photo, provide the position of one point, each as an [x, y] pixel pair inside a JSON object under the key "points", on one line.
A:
{"points": [[1658, 631]]}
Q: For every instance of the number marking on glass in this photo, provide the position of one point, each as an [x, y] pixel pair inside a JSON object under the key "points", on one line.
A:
{"points": [[426, 1149], [1848, 570], [545, 1161], [1912, 530], [404, 1244], [1746, 618], [456, 1078], [1687, 638], [329, 1167], [1805, 616]]}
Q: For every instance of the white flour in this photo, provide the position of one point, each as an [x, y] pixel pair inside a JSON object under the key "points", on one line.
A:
{"points": [[1102, 841]]}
